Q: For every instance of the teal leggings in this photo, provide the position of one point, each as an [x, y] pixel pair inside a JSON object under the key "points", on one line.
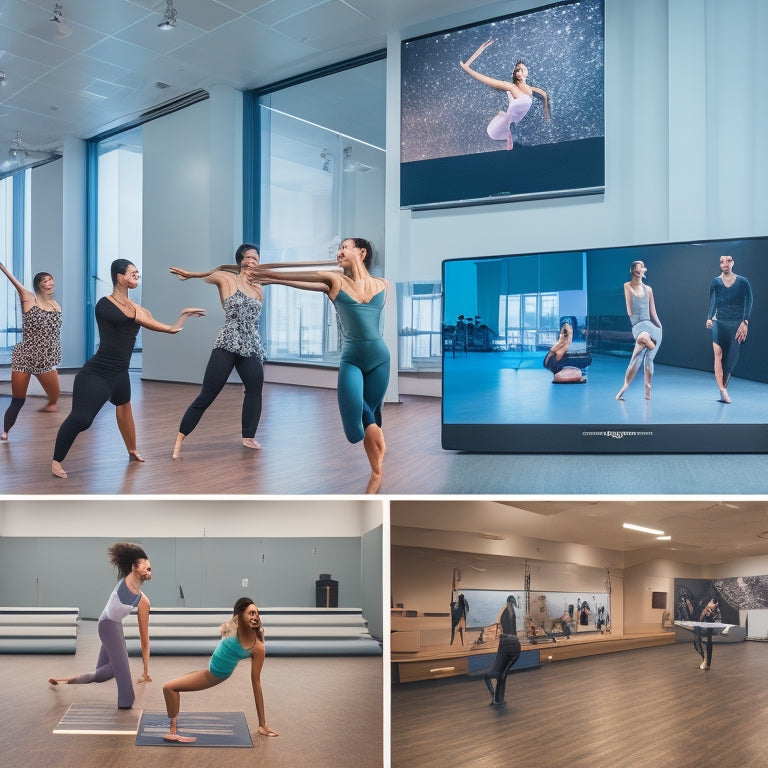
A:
{"points": [[363, 381]]}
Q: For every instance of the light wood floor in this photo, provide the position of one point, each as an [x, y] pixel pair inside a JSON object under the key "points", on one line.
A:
{"points": [[327, 710], [304, 452], [651, 708]]}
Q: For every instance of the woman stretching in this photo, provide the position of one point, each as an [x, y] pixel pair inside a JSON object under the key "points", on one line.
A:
{"points": [[241, 637], [646, 328], [364, 368], [133, 569], [39, 351], [238, 345], [105, 376]]}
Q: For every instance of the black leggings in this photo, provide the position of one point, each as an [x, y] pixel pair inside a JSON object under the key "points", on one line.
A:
{"points": [[220, 365], [90, 392], [697, 633], [12, 413]]}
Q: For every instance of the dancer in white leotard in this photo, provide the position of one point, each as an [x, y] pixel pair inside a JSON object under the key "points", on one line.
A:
{"points": [[519, 93]]}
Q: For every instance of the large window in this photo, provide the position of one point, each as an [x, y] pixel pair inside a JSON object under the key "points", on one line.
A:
{"points": [[321, 180], [117, 226], [14, 254]]}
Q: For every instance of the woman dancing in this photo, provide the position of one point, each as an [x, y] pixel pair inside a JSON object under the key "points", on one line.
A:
{"points": [[133, 569], [241, 637], [730, 305], [507, 653], [364, 368], [519, 94], [238, 346], [646, 328], [105, 376], [39, 351]]}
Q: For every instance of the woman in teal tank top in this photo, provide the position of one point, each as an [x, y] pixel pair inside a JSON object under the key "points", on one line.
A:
{"points": [[364, 368], [241, 637]]}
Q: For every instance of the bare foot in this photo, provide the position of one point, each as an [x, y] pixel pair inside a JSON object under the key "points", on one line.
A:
{"points": [[4, 436], [724, 396], [177, 446], [375, 448], [50, 408], [249, 442], [135, 456], [265, 731], [58, 680], [647, 391], [58, 470], [620, 396], [181, 739]]}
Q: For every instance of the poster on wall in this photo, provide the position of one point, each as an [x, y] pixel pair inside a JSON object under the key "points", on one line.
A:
{"points": [[509, 108]]}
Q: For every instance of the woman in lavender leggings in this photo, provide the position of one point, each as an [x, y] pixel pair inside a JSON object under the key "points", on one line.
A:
{"points": [[133, 568]]}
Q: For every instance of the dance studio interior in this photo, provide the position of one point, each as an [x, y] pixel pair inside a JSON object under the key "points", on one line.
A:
{"points": [[541, 239]]}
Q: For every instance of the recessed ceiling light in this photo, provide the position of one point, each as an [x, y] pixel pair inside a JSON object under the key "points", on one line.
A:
{"points": [[643, 529]]}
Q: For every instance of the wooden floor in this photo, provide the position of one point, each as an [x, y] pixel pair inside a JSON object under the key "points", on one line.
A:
{"points": [[304, 452], [328, 712], [652, 707]]}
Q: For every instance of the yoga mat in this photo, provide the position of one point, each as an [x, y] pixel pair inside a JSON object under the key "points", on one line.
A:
{"points": [[88, 719], [212, 729]]}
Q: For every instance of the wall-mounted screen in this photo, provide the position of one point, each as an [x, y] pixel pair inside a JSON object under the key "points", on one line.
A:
{"points": [[569, 351], [510, 108]]}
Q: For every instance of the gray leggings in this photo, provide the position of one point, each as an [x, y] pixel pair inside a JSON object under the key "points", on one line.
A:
{"points": [[112, 662]]}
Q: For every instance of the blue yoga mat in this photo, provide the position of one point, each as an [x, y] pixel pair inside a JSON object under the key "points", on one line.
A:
{"points": [[211, 729]]}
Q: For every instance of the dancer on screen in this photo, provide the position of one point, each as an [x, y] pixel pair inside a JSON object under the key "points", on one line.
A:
{"points": [[242, 637], [39, 351], [646, 328], [519, 94], [364, 368], [730, 305]]}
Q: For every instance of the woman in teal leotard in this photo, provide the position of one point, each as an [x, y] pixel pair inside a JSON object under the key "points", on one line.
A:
{"points": [[364, 368], [241, 637]]}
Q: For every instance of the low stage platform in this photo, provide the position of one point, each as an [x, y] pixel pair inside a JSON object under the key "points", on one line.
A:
{"points": [[435, 661]]}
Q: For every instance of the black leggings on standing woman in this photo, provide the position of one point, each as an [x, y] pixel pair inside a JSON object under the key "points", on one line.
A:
{"points": [[220, 365]]}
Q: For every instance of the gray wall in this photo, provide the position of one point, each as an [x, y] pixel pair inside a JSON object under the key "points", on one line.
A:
{"points": [[39, 571]]}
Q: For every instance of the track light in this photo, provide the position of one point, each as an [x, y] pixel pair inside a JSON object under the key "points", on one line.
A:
{"points": [[169, 18], [643, 529], [58, 13], [3, 77]]}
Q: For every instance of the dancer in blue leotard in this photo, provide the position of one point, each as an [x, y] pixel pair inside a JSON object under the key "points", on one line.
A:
{"points": [[730, 305], [133, 568], [519, 94], [646, 328], [241, 637], [364, 368], [238, 345]]}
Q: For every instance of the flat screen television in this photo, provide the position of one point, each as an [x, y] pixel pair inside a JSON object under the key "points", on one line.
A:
{"points": [[502, 314], [466, 141]]}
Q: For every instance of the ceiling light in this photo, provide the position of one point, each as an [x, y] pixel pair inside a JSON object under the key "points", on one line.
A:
{"points": [[642, 529], [663, 538], [58, 13], [3, 77], [169, 18]]}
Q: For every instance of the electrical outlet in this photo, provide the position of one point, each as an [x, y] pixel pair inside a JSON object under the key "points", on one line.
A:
{"points": [[245, 582]]}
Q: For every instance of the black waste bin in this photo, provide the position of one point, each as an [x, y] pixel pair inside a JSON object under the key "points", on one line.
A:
{"points": [[326, 592]]}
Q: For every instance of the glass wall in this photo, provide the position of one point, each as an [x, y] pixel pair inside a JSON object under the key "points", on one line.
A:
{"points": [[117, 217], [14, 255]]}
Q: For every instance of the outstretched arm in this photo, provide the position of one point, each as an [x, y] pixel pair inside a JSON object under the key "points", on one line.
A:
{"points": [[502, 85], [543, 96], [143, 618], [185, 274], [144, 318], [27, 297], [326, 282]]}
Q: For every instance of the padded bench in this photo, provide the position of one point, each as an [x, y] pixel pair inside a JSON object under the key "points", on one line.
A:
{"points": [[38, 630], [289, 631]]}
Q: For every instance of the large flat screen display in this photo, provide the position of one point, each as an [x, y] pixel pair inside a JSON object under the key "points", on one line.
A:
{"points": [[510, 108], [571, 351]]}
